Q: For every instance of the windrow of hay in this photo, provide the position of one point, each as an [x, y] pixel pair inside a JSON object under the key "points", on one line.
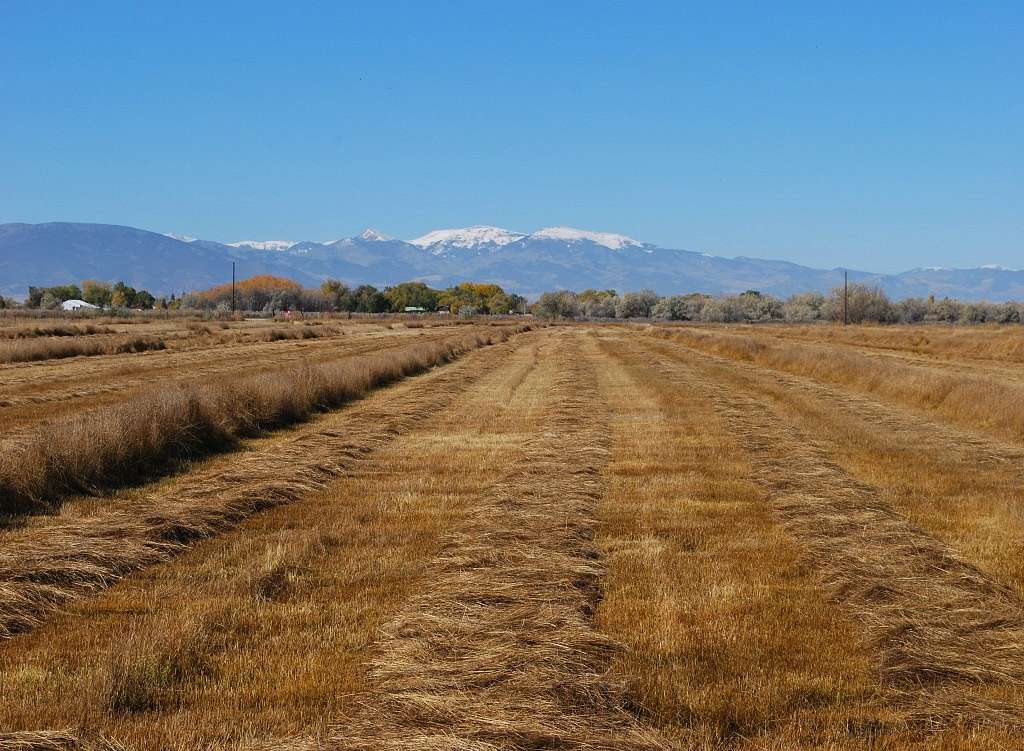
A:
{"points": [[57, 329], [949, 639], [32, 350], [499, 651], [63, 385], [731, 641], [1002, 344], [973, 400], [44, 566], [146, 435], [300, 591]]}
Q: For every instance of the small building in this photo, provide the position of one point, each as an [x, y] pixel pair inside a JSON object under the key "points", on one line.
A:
{"points": [[414, 309], [77, 305]]}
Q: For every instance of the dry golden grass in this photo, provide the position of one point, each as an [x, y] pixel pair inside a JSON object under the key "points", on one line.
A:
{"points": [[975, 400], [948, 639], [583, 538], [31, 393], [1003, 344], [730, 641], [53, 348], [53, 329], [146, 435], [499, 650], [46, 564], [265, 631]]}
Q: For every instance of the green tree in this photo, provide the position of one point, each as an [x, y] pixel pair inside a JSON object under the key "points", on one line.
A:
{"points": [[122, 296], [411, 295], [337, 295], [562, 304], [369, 299], [96, 293], [144, 300]]}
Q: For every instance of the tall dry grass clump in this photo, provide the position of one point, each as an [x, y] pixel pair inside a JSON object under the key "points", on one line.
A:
{"points": [[32, 350], [148, 435]]}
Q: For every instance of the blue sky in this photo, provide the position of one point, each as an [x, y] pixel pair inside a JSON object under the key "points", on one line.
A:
{"points": [[831, 134]]}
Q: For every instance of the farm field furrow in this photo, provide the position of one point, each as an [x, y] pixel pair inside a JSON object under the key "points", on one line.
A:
{"points": [[278, 616]]}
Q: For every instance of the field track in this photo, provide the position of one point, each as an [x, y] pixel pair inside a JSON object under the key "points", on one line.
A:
{"points": [[583, 537]]}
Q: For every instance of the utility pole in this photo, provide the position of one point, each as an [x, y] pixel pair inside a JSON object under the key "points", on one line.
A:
{"points": [[846, 296], [232, 287]]}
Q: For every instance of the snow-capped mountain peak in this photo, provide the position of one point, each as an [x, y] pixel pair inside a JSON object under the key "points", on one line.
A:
{"points": [[263, 244], [570, 234], [182, 238], [374, 236], [468, 238]]}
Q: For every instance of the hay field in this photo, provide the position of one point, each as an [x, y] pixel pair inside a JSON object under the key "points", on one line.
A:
{"points": [[514, 537]]}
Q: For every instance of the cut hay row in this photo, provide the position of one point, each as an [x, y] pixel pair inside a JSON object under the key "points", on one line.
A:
{"points": [[923, 433], [44, 566], [289, 603], [949, 639], [147, 435], [64, 371], [499, 652], [998, 344], [971, 400], [729, 635], [247, 360], [35, 350], [60, 329]]}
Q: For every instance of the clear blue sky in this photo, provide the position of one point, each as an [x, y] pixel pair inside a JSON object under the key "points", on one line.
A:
{"points": [[856, 134]]}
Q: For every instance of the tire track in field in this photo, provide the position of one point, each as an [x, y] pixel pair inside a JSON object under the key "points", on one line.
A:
{"points": [[42, 567], [499, 652], [950, 639]]}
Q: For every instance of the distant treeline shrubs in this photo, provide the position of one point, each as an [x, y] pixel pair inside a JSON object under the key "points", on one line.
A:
{"points": [[271, 294], [864, 304], [101, 294]]}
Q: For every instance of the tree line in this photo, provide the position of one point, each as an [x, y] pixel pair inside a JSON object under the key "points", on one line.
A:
{"points": [[861, 303], [101, 294], [272, 294]]}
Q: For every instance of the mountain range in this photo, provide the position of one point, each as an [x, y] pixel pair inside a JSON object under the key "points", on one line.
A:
{"points": [[527, 263]]}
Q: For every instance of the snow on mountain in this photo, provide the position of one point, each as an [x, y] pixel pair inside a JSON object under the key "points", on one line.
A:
{"points": [[263, 244], [374, 236], [182, 238], [467, 238], [570, 234]]}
